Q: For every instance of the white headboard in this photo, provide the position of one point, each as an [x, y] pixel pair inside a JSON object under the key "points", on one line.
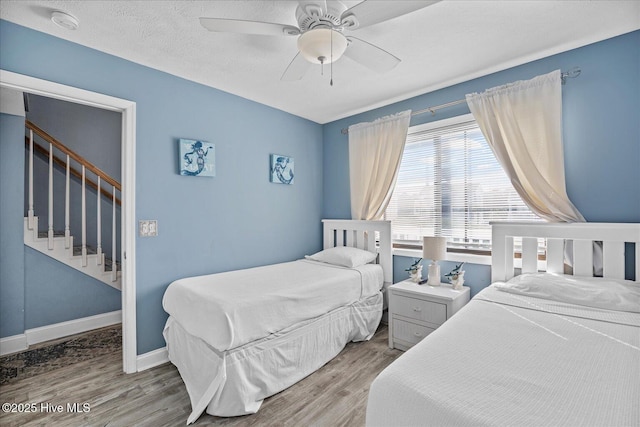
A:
{"points": [[362, 235], [613, 236]]}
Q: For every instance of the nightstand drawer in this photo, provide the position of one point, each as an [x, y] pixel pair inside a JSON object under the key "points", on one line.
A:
{"points": [[409, 332], [414, 308]]}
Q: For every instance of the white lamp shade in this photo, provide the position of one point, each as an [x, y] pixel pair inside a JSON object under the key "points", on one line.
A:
{"points": [[316, 45], [434, 248]]}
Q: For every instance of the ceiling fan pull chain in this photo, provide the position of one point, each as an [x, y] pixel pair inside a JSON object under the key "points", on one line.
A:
{"points": [[331, 63]]}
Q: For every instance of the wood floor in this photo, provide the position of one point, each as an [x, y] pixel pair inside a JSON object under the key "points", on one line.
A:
{"points": [[335, 395]]}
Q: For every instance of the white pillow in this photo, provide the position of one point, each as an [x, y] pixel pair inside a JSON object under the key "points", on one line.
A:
{"points": [[598, 292], [344, 256]]}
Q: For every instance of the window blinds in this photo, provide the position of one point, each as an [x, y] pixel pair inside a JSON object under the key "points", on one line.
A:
{"points": [[450, 184]]}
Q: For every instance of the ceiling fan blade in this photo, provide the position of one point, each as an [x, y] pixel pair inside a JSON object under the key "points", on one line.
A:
{"points": [[371, 12], [370, 56], [296, 69], [248, 27], [313, 7]]}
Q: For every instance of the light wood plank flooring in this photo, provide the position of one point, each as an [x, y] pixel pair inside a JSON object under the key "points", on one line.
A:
{"points": [[335, 395]]}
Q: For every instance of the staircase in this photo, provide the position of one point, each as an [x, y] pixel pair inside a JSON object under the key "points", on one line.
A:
{"points": [[94, 265], [88, 259]]}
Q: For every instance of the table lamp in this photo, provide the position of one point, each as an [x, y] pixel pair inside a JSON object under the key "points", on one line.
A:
{"points": [[434, 248]]}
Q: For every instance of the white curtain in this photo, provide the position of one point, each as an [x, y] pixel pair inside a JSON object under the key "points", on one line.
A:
{"points": [[375, 152], [522, 122]]}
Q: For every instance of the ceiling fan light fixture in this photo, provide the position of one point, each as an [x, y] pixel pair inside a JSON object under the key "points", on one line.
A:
{"points": [[322, 45]]}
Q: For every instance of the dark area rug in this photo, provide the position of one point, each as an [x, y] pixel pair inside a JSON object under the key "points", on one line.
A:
{"points": [[48, 356]]}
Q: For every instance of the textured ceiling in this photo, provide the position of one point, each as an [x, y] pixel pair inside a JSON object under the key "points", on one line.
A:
{"points": [[443, 44]]}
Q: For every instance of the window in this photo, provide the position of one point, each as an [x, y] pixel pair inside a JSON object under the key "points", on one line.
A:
{"points": [[450, 184]]}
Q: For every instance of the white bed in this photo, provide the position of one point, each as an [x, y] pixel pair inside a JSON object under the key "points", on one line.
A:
{"points": [[534, 349], [239, 337]]}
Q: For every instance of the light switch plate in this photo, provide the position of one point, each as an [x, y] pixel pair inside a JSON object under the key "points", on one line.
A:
{"points": [[148, 228]]}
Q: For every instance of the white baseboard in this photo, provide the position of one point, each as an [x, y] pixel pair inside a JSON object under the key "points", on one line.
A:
{"points": [[152, 359], [21, 342], [13, 344], [72, 327]]}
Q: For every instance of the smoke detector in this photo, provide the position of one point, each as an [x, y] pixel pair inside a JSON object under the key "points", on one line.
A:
{"points": [[64, 20]]}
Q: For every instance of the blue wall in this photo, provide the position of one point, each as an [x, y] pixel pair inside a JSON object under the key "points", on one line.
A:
{"points": [[91, 132], [601, 135], [237, 219], [55, 292], [11, 226]]}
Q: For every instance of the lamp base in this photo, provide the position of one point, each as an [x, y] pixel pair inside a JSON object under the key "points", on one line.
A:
{"points": [[434, 274]]}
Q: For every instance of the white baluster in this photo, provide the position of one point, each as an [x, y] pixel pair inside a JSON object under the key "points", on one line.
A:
{"points": [[50, 229], [84, 220], [114, 270], [67, 230], [99, 225], [30, 211]]}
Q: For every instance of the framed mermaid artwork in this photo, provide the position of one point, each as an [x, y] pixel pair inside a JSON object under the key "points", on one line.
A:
{"points": [[196, 158], [281, 169]]}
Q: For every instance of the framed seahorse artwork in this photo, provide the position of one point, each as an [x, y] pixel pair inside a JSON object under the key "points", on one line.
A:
{"points": [[281, 169], [196, 158]]}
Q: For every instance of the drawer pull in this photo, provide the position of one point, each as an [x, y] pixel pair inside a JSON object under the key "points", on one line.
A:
{"points": [[418, 334], [417, 309]]}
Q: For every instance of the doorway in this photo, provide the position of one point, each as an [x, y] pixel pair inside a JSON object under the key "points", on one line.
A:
{"points": [[127, 109]]}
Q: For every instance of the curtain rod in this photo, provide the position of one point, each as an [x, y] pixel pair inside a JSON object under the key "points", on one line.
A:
{"points": [[571, 74]]}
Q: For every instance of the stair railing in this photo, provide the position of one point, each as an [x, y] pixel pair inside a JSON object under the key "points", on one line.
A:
{"points": [[85, 166]]}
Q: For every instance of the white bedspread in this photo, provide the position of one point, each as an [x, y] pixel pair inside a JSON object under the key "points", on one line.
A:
{"points": [[230, 309], [513, 360], [236, 382]]}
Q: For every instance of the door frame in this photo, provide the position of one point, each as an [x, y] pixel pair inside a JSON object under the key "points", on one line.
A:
{"points": [[127, 108]]}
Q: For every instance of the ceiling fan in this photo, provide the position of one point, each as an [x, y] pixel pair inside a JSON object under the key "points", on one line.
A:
{"points": [[321, 32]]}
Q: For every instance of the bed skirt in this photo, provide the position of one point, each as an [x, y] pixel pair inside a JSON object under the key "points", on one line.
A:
{"points": [[236, 382]]}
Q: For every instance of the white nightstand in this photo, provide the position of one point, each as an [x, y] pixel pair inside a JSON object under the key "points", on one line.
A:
{"points": [[417, 310]]}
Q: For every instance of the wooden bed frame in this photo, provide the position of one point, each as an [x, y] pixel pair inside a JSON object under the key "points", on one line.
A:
{"points": [[612, 235], [459, 389], [362, 235], [373, 236], [201, 363]]}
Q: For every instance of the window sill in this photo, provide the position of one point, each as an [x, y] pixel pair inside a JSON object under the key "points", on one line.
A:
{"points": [[451, 256]]}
